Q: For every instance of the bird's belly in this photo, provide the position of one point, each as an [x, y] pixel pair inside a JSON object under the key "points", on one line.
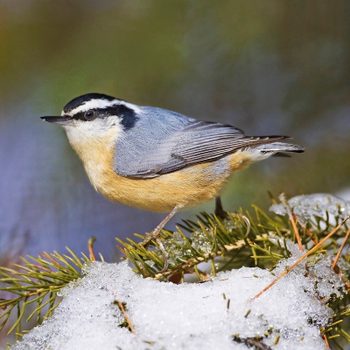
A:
{"points": [[186, 187]]}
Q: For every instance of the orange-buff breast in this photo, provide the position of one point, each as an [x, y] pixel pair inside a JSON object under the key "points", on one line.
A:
{"points": [[186, 187]]}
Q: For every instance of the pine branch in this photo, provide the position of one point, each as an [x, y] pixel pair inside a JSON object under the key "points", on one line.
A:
{"points": [[298, 261], [246, 238], [338, 329], [31, 288]]}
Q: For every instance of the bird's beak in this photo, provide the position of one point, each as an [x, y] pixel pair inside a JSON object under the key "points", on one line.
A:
{"points": [[57, 119]]}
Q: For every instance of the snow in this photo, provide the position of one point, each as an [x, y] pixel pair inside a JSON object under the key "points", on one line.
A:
{"points": [[344, 194], [190, 315], [314, 207], [218, 314]]}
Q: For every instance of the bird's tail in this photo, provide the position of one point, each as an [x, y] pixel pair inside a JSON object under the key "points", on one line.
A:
{"points": [[267, 146]]}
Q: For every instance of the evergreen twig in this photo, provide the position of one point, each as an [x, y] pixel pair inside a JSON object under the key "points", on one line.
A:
{"points": [[299, 260], [246, 239], [30, 288]]}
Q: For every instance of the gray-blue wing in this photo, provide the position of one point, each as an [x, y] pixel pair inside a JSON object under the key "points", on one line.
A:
{"points": [[163, 142]]}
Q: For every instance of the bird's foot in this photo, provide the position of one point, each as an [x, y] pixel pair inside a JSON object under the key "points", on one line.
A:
{"points": [[222, 214], [154, 236], [151, 236], [219, 210]]}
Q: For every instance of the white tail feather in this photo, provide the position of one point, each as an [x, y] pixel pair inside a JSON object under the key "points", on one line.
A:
{"points": [[267, 150], [279, 147]]}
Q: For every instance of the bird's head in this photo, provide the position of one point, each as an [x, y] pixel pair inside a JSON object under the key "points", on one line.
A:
{"points": [[95, 116]]}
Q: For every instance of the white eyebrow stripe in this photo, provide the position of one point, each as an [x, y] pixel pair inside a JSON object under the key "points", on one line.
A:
{"points": [[101, 103], [135, 108]]}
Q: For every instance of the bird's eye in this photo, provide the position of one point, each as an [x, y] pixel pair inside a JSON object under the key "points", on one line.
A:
{"points": [[89, 115]]}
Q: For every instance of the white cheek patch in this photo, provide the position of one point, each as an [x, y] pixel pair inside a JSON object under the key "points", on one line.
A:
{"points": [[100, 103], [102, 130]]}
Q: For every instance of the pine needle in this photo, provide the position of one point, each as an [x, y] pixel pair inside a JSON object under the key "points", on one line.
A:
{"points": [[31, 287], [91, 243], [122, 308], [299, 260], [335, 261], [293, 221]]}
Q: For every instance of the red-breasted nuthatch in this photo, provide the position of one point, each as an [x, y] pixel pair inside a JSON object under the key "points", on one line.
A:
{"points": [[156, 159]]}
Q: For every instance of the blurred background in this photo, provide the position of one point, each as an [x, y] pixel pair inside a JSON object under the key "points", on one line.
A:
{"points": [[280, 67]]}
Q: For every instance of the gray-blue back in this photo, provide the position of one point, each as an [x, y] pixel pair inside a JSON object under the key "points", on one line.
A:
{"points": [[162, 141]]}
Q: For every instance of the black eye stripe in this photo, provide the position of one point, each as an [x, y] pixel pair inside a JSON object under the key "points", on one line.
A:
{"points": [[98, 112], [127, 115], [79, 116]]}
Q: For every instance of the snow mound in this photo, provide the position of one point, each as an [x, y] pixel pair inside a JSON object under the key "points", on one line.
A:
{"points": [[315, 207], [218, 314]]}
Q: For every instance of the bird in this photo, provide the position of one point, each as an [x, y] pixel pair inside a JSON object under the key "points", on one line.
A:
{"points": [[157, 159]]}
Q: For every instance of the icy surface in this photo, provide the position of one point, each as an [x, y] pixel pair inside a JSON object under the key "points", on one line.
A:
{"points": [[313, 207], [344, 194], [201, 316]]}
